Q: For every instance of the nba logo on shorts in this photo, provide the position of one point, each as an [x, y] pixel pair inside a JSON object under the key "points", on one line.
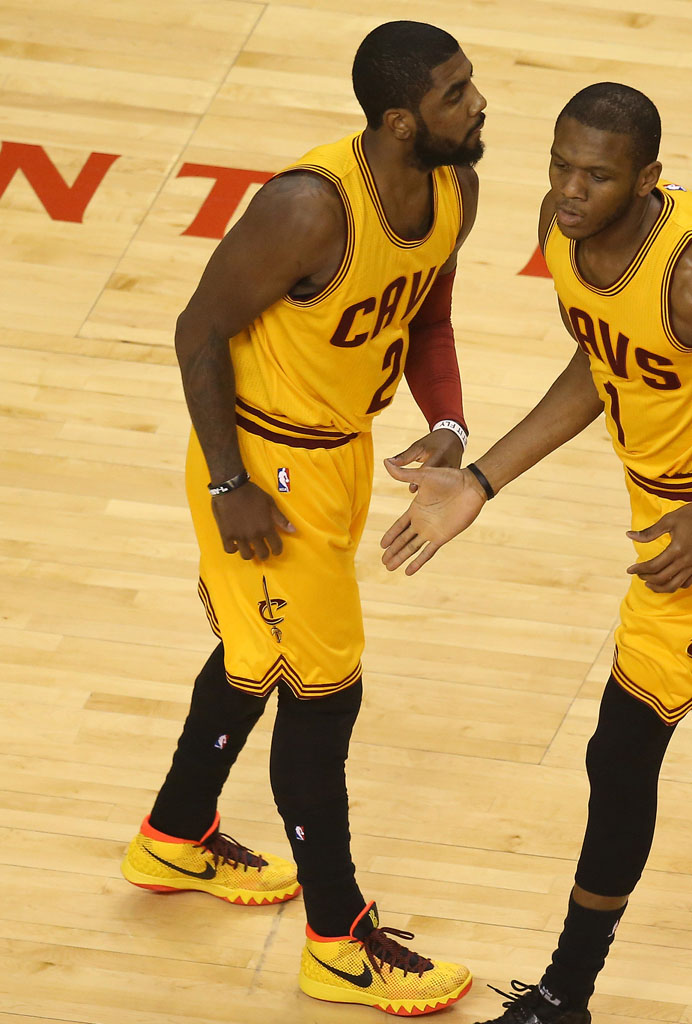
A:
{"points": [[283, 478], [221, 742], [300, 833]]}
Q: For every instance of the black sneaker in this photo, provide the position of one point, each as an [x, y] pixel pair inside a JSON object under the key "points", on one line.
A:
{"points": [[526, 1005]]}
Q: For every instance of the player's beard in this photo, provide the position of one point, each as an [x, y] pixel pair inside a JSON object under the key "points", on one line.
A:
{"points": [[430, 151]]}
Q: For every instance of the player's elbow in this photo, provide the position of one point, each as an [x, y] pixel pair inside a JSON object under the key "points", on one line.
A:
{"points": [[195, 331], [183, 336]]}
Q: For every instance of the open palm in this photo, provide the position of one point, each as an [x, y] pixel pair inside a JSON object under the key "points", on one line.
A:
{"points": [[446, 503]]}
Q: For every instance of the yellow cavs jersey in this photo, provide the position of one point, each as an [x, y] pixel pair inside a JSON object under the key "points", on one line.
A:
{"points": [[331, 362], [641, 370]]}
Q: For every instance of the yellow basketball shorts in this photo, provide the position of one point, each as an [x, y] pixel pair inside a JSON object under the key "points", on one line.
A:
{"points": [[653, 642], [295, 617]]}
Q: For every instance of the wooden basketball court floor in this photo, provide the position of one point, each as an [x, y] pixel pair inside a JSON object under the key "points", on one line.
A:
{"points": [[483, 673]]}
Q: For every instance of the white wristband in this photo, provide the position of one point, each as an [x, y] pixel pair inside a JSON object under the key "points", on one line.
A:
{"points": [[456, 427]]}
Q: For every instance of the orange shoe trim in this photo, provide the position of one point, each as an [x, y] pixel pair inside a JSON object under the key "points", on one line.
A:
{"points": [[212, 828], [429, 1008], [263, 901], [152, 833], [314, 937]]}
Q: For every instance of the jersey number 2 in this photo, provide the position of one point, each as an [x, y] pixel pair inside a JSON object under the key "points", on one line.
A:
{"points": [[392, 357]]}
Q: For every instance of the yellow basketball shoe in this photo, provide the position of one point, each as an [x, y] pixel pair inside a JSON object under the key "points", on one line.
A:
{"points": [[367, 966], [215, 864]]}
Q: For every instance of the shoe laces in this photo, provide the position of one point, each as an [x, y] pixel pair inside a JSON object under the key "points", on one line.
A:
{"points": [[522, 1000], [226, 850], [379, 946]]}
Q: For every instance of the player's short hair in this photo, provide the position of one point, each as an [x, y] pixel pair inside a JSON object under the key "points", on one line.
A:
{"points": [[612, 107], [393, 65]]}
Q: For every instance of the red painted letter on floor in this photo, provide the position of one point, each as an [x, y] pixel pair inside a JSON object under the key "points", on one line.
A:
{"points": [[229, 187], [60, 200]]}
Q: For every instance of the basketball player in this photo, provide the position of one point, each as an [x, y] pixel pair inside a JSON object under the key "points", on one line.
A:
{"points": [[337, 278], [617, 242]]}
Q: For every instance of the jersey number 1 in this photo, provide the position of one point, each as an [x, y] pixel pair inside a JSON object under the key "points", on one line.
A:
{"points": [[612, 393]]}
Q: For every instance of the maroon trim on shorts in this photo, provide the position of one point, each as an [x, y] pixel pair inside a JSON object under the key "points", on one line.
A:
{"points": [[670, 717], [666, 486], [294, 428], [282, 671], [208, 607], [292, 442]]}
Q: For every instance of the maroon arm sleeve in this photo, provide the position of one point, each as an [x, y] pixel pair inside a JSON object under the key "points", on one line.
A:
{"points": [[432, 370]]}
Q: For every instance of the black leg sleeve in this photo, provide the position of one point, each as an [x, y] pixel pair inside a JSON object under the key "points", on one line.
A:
{"points": [[220, 720], [623, 761], [309, 751]]}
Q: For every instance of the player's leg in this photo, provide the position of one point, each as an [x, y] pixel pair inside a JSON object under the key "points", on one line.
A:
{"points": [[347, 956], [219, 722], [308, 757], [179, 845], [624, 759]]}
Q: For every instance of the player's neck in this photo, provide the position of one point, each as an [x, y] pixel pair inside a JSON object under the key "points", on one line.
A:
{"points": [[629, 231], [390, 163], [404, 190], [605, 256]]}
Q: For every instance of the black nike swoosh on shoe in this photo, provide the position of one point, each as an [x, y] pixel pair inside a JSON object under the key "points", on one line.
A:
{"points": [[361, 980], [209, 870]]}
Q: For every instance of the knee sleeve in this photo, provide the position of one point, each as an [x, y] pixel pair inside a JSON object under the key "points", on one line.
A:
{"points": [[310, 747], [221, 716]]}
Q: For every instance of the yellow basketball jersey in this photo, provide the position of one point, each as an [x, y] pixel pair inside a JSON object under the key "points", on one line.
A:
{"points": [[641, 370], [334, 360]]}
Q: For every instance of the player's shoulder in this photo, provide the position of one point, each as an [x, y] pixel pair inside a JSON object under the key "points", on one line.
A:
{"points": [[468, 182], [678, 200], [299, 189], [681, 246], [469, 185], [681, 294], [298, 201]]}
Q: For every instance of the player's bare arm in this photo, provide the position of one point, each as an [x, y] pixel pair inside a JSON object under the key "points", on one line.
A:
{"points": [[448, 500], [290, 240], [443, 447], [671, 570]]}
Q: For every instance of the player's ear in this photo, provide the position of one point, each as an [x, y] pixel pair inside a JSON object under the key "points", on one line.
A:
{"points": [[400, 123], [648, 178]]}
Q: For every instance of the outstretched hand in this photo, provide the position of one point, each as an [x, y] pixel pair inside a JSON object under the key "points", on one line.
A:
{"points": [[438, 448], [447, 502], [672, 569]]}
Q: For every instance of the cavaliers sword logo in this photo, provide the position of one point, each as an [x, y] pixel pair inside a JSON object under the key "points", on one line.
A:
{"points": [[267, 609]]}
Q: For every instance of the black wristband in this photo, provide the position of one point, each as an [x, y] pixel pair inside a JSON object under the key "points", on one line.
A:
{"points": [[229, 485], [482, 480]]}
